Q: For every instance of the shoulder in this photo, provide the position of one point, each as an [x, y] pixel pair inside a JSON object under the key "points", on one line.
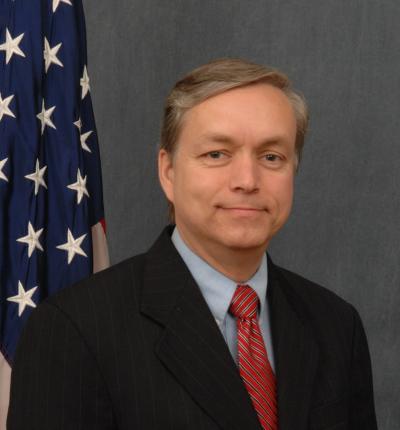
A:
{"points": [[311, 291], [101, 292], [315, 304]]}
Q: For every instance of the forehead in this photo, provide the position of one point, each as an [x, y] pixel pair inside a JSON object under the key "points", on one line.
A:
{"points": [[257, 110]]}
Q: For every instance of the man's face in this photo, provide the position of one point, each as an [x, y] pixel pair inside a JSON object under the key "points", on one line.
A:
{"points": [[231, 177]]}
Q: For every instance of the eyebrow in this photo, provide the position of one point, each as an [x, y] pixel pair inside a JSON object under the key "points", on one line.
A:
{"points": [[218, 138], [223, 138]]}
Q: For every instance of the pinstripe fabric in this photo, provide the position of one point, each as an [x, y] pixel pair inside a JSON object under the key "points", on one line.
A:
{"points": [[254, 365], [136, 347]]}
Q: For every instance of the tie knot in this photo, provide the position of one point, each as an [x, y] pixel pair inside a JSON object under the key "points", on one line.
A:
{"points": [[244, 303]]}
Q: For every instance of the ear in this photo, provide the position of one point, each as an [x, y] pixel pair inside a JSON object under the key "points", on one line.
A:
{"points": [[166, 174]]}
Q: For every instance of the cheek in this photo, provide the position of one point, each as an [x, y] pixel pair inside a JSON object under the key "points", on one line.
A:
{"points": [[189, 191], [197, 186], [286, 194], [288, 189], [282, 189]]}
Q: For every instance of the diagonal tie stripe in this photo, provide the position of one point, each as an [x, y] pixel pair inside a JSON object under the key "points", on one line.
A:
{"points": [[244, 304], [267, 390], [254, 367]]}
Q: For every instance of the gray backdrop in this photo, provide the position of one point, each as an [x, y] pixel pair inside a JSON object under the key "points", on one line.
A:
{"points": [[344, 56]]}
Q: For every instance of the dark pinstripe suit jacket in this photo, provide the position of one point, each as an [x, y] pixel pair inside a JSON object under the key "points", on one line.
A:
{"points": [[136, 347]]}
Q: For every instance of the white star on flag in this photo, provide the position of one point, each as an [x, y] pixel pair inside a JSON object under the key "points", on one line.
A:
{"points": [[45, 117], [79, 186], [2, 174], [11, 46], [56, 3], [23, 298], [4, 109], [73, 246], [84, 138], [50, 54], [85, 83], [78, 124], [31, 239], [37, 177]]}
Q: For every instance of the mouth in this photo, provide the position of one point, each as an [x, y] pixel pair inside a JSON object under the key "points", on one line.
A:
{"points": [[242, 210]]}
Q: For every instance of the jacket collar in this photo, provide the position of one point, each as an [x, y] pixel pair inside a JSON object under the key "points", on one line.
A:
{"points": [[191, 345]]}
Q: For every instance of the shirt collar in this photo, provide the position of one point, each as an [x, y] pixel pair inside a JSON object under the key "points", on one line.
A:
{"points": [[216, 288]]}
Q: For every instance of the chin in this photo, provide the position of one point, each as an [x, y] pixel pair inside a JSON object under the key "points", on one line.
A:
{"points": [[246, 241]]}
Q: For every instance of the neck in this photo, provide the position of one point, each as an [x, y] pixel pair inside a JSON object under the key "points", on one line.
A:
{"points": [[238, 264]]}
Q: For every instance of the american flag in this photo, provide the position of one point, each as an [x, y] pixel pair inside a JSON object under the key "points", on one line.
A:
{"points": [[51, 203]]}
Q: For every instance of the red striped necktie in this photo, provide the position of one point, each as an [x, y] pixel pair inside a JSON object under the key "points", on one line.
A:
{"points": [[254, 366]]}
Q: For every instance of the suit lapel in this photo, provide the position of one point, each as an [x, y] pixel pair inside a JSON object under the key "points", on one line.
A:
{"points": [[191, 345], [295, 351]]}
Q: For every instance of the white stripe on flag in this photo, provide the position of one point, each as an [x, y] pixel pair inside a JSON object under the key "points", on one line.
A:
{"points": [[5, 379], [101, 259]]}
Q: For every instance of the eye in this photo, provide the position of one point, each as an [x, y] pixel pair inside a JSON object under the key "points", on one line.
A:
{"points": [[215, 155], [273, 157], [215, 158]]}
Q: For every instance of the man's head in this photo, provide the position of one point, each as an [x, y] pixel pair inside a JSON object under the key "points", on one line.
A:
{"points": [[231, 141]]}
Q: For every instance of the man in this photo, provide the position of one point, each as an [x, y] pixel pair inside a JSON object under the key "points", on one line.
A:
{"points": [[203, 331]]}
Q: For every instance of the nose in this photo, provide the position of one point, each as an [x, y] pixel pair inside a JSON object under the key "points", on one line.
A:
{"points": [[244, 175]]}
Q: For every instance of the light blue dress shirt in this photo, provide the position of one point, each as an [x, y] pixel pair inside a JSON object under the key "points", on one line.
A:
{"points": [[218, 291]]}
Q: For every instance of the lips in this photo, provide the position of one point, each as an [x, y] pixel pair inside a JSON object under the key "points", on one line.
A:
{"points": [[242, 210]]}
